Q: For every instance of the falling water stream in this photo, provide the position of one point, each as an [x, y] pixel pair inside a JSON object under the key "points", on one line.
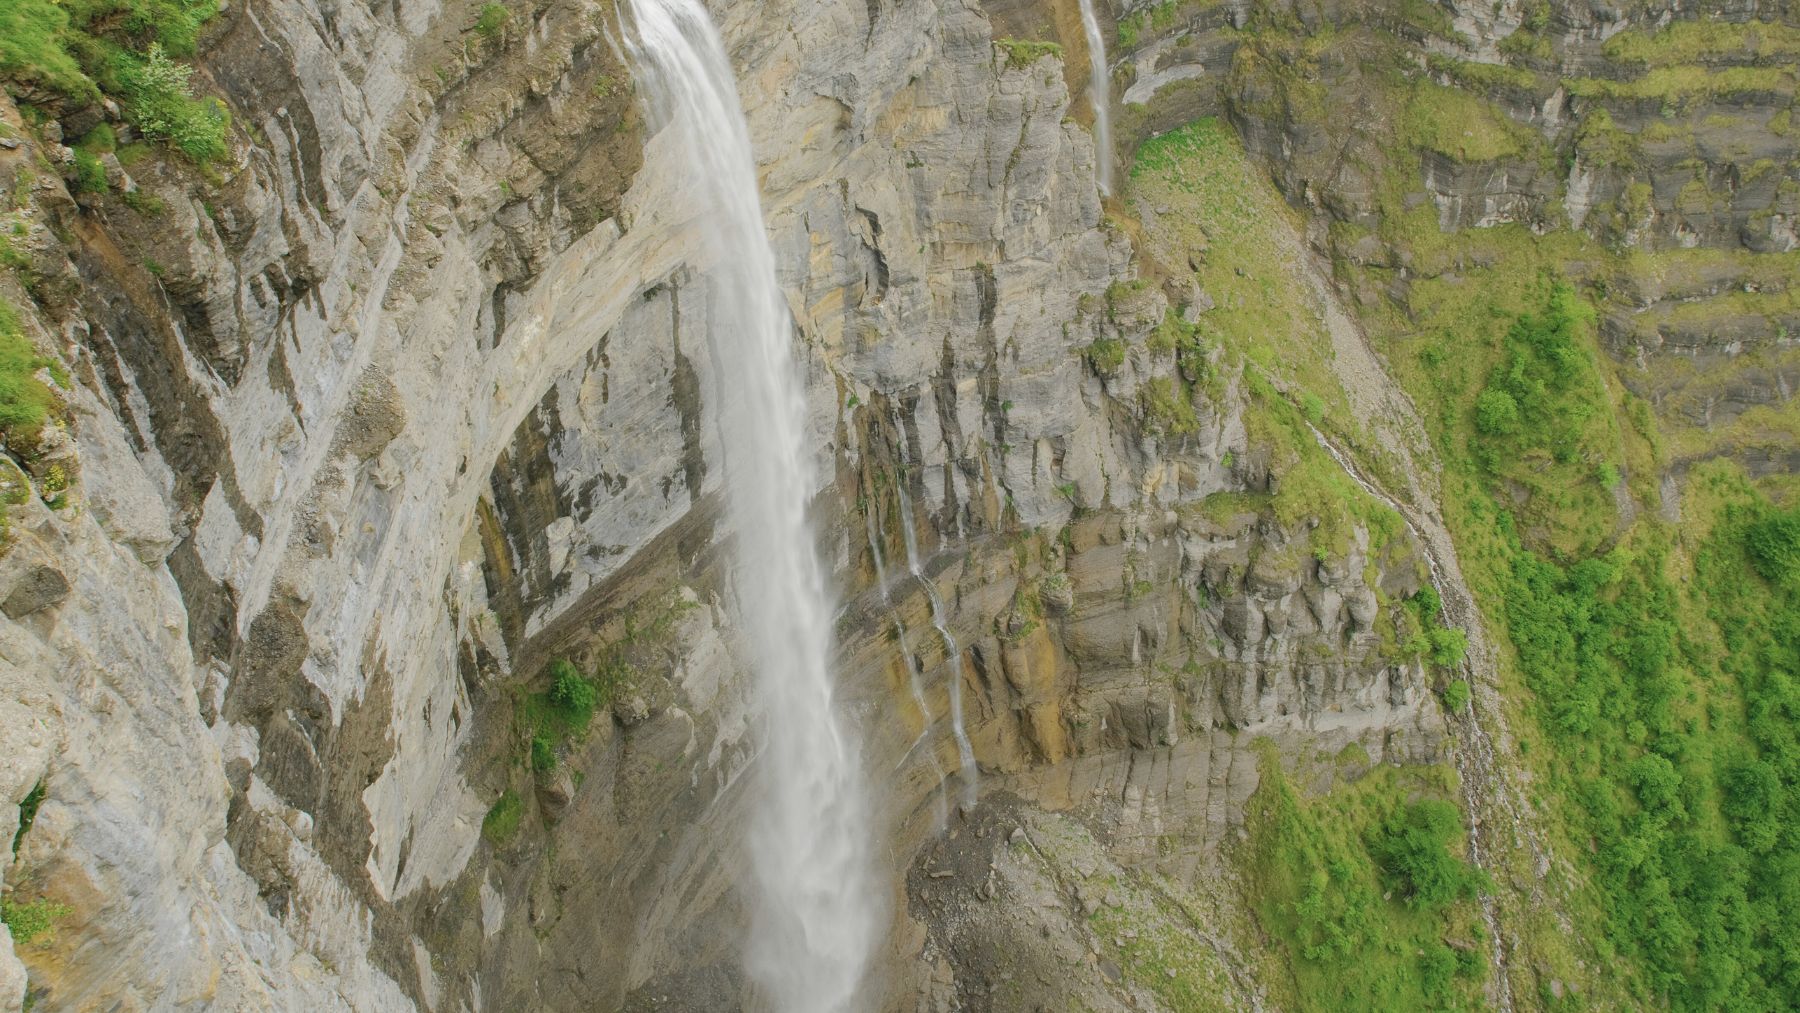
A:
{"points": [[1099, 95], [965, 753], [817, 909]]}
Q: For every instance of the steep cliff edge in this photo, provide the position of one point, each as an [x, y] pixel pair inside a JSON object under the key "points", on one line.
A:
{"points": [[375, 421]]}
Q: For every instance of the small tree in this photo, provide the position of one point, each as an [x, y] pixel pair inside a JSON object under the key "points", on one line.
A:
{"points": [[572, 695], [1413, 849], [1496, 413]]}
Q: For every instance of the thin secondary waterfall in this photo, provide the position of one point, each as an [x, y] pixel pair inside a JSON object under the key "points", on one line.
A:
{"points": [[817, 909], [965, 753], [914, 678], [1099, 95]]}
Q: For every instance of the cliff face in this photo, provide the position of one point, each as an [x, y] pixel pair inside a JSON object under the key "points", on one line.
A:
{"points": [[411, 398]]}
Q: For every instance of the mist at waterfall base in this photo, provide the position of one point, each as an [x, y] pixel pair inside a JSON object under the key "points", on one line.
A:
{"points": [[1099, 95], [818, 910]]}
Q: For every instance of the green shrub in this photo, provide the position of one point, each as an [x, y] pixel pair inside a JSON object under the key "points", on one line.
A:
{"points": [[1106, 355], [492, 20], [571, 695], [1167, 409], [1314, 407], [160, 100], [122, 48], [1456, 696], [1437, 969], [1413, 851], [31, 920], [1448, 645], [543, 753], [501, 824], [1427, 603], [90, 175], [1496, 413], [1773, 542]]}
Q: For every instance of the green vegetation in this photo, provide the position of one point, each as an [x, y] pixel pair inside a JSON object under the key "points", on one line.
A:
{"points": [[1454, 122], [1319, 868], [501, 824], [1175, 335], [492, 20], [572, 696], [1673, 714], [31, 920], [1683, 83], [24, 399], [1168, 408], [1105, 355], [1456, 696], [1542, 422], [1025, 52], [1694, 41], [543, 753], [1413, 849], [28, 811], [1773, 542], [125, 49]]}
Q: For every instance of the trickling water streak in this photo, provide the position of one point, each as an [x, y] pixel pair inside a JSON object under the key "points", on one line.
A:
{"points": [[912, 665], [1099, 95], [965, 753], [1477, 764], [817, 911]]}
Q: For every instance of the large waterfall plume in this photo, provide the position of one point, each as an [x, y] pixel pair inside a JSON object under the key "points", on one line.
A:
{"points": [[817, 913], [1099, 95]]}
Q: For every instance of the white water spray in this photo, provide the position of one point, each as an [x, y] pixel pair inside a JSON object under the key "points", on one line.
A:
{"points": [[818, 912], [965, 753], [1099, 95]]}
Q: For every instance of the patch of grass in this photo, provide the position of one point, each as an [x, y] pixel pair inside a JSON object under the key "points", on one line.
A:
{"points": [[1459, 124], [543, 753], [1025, 52], [1684, 83], [33, 920], [1105, 355], [1168, 407], [1483, 77], [1696, 41], [147, 204], [501, 824], [1228, 221], [90, 175], [126, 49], [492, 20], [1456, 696], [24, 399]]}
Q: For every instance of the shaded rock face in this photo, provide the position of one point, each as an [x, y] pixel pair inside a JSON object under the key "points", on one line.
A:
{"points": [[421, 400]]}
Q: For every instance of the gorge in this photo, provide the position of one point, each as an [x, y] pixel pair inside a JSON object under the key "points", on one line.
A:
{"points": [[910, 505]]}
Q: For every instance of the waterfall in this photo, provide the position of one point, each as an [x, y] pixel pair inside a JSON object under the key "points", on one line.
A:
{"points": [[914, 678], [816, 910], [1099, 95], [965, 753]]}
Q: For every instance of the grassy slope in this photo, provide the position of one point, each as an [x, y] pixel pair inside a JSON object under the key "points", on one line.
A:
{"points": [[1340, 932], [1646, 663]]}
